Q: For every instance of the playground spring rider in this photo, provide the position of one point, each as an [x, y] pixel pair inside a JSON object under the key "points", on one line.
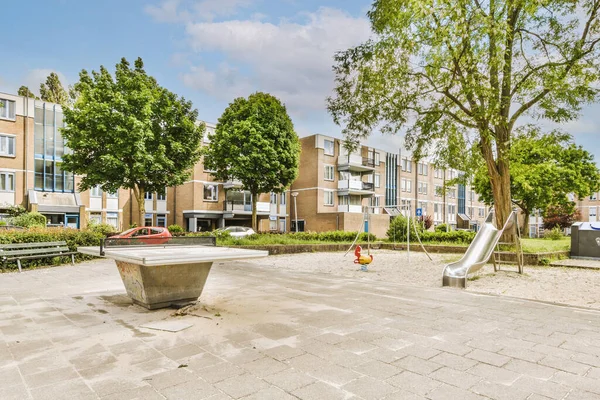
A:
{"points": [[360, 259]]}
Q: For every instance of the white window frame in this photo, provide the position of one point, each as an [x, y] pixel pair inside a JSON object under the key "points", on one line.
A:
{"points": [[282, 199], [4, 182], [328, 198], [5, 106], [96, 191], [114, 195], [273, 198], [112, 216], [593, 211], [377, 158], [96, 216], [422, 188], [377, 180], [163, 196], [214, 198], [329, 176], [326, 149], [161, 216], [594, 196], [148, 216], [5, 140], [481, 212], [149, 196]]}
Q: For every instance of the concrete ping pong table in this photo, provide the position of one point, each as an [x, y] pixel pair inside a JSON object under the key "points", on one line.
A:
{"points": [[160, 272]]}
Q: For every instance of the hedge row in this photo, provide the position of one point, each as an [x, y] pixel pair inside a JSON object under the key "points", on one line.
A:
{"points": [[73, 237], [459, 237]]}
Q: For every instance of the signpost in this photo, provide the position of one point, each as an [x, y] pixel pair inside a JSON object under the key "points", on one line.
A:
{"points": [[419, 212]]}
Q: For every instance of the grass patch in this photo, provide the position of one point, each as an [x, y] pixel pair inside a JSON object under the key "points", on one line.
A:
{"points": [[546, 245]]}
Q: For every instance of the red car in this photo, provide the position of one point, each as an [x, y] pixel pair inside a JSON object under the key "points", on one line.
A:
{"points": [[154, 234]]}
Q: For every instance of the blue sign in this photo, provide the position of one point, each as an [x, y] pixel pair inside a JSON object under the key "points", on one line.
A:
{"points": [[419, 212]]}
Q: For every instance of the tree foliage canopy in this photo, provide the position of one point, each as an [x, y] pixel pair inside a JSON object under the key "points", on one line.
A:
{"points": [[255, 143], [53, 91], [129, 132], [25, 92], [545, 168], [439, 68]]}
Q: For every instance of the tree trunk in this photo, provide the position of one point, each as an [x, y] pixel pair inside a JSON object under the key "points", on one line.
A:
{"points": [[525, 227], [254, 222], [140, 193]]}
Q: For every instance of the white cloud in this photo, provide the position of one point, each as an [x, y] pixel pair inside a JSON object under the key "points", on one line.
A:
{"points": [[291, 60], [173, 11]]}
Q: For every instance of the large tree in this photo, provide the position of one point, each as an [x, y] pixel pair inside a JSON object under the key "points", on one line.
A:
{"points": [[25, 92], [255, 142], [53, 91], [440, 67], [545, 168], [127, 131]]}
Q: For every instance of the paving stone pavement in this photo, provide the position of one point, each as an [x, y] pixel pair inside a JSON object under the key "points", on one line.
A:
{"points": [[258, 333]]}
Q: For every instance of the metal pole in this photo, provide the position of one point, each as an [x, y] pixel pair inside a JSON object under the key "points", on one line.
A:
{"points": [[408, 234], [296, 213]]}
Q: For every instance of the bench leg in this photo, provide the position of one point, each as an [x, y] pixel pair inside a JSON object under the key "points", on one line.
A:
{"points": [[73, 259], [19, 264]]}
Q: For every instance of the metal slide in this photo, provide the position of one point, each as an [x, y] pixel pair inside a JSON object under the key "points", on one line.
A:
{"points": [[478, 253]]}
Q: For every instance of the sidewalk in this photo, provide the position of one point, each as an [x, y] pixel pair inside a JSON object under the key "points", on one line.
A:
{"points": [[71, 333]]}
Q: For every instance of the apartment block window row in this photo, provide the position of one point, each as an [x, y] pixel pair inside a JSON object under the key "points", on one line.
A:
{"points": [[328, 147], [422, 169], [7, 109], [329, 172], [7, 182], [438, 173], [422, 188], [7, 145], [406, 185], [328, 197]]}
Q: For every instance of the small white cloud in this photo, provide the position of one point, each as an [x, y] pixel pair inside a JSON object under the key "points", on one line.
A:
{"points": [[173, 11], [168, 11]]}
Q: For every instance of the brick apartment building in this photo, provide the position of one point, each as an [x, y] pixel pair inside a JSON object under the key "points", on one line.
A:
{"points": [[334, 189], [31, 150]]}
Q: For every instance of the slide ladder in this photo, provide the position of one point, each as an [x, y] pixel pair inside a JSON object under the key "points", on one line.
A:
{"points": [[479, 251]]}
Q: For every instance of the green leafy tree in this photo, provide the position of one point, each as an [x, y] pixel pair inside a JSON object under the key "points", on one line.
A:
{"points": [[544, 170], [561, 215], [53, 91], [25, 92], [129, 132], [462, 67], [255, 143]]}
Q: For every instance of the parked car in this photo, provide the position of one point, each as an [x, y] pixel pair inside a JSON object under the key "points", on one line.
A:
{"points": [[239, 231], [153, 234]]}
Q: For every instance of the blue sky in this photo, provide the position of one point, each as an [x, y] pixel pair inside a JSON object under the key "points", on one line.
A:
{"points": [[209, 51]]}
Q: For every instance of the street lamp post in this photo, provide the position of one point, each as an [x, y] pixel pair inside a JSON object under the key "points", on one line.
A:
{"points": [[294, 195]]}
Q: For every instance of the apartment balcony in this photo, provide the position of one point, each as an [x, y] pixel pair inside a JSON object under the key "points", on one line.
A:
{"points": [[348, 187], [233, 184], [355, 163], [350, 208], [239, 207]]}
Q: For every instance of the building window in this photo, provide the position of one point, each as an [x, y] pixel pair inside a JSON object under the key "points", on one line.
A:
{"points": [[7, 146], [594, 196], [377, 180], [438, 190], [161, 220], [273, 198], [211, 193], [406, 185], [406, 165], [148, 220], [481, 212], [377, 158], [438, 173], [161, 195], [470, 212], [422, 188], [592, 211], [49, 148], [376, 201], [148, 196], [451, 212], [329, 172], [95, 218], [114, 195], [7, 182], [96, 191], [451, 193], [328, 147], [282, 199], [423, 207], [112, 219], [7, 109], [328, 200], [422, 169]]}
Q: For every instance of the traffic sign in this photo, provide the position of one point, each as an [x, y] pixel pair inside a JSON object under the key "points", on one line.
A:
{"points": [[419, 212]]}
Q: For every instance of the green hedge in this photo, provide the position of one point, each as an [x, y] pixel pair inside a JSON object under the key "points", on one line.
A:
{"points": [[73, 237], [459, 237], [331, 236]]}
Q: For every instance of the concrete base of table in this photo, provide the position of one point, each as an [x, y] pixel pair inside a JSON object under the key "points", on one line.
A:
{"points": [[162, 285]]}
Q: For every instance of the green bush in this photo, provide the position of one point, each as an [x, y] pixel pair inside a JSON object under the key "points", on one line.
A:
{"points": [[31, 219], [175, 228], [103, 229], [73, 237], [397, 230], [555, 234], [442, 228], [458, 237], [331, 236], [3, 223]]}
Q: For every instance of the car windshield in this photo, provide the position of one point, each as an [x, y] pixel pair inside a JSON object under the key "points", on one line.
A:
{"points": [[128, 231]]}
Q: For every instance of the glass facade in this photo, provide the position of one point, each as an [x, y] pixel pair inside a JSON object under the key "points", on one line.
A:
{"points": [[49, 148]]}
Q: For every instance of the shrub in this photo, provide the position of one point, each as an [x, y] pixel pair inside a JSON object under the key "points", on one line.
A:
{"points": [[29, 220], [554, 234], [426, 221], [175, 229], [103, 229], [442, 228], [397, 230], [458, 237], [3, 223], [15, 211], [73, 237]]}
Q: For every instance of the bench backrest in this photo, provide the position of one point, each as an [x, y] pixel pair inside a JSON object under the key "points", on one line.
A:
{"points": [[25, 249]]}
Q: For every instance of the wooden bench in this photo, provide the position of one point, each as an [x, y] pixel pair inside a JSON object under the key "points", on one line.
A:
{"points": [[28, 251]]}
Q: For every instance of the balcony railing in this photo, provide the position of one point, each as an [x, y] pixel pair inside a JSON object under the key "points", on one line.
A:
{"points": [[355, 185], [349, 208], [356, 162], [240, 206]]}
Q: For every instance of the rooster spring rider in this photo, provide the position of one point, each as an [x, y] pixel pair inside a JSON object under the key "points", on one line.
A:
{"points": [[361, 259]]}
